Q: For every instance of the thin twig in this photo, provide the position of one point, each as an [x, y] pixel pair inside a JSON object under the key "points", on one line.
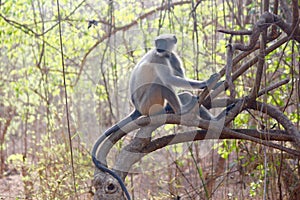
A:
{"points": [[231, 32], [273, 86], [66, 98], [229, 65], [260, 65]]}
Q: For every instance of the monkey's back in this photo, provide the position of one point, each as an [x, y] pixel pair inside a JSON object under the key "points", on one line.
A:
{"points": [[146, 83]]}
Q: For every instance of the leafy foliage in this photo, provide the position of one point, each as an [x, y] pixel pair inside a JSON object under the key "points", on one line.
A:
{"points": [[98, 60]]}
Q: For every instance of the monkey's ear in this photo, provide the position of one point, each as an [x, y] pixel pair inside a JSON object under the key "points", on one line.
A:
{"points": [[175, 39]]}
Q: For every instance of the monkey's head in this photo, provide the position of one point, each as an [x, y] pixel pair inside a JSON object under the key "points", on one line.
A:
{"points": [[165, 44]]}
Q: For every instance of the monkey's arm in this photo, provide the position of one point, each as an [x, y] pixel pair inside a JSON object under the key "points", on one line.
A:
{"points": [[186, 83], [168, 78]]}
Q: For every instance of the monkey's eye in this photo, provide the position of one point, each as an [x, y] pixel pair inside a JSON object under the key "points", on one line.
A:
{"points": [[161, 50]]}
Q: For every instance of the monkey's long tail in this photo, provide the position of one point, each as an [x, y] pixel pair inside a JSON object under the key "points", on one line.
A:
{"points": [[113, 174], [134, 115]]}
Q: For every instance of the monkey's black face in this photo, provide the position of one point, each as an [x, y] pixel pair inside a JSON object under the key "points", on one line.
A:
{"points": [[163, 53], [160, 50], [165, 44]]}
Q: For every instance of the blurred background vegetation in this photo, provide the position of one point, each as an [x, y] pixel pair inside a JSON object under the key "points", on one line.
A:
{"points": [[98, 59]]}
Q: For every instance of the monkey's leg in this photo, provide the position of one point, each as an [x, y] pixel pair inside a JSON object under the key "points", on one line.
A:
{"points": [[173, 103], [187, 103], [205, 114], [148, 99]]}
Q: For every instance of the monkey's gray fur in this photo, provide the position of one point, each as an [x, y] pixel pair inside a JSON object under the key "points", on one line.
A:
{"points": [[154, 78]]}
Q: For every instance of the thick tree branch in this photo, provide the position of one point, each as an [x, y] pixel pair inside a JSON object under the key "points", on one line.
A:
{"points": [[138, 148], [276, 135], [192, 120]]}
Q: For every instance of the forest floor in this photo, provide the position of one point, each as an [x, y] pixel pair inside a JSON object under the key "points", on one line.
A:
{"points": [[11, 187]]}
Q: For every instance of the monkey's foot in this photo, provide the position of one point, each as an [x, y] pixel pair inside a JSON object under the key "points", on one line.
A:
{"points": [[187, 101]]}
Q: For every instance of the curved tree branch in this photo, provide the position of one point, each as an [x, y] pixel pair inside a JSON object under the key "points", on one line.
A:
{"points": [[196, 135], [191, 120]]}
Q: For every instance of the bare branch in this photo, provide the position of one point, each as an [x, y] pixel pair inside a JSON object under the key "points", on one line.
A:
{"points": [[273, 86], [197, 135], [191, 120], [278, 115], [229, 65], [267, 19], [243, 68], [296, 19], [287, 12], [260, 65], [231, 32]]}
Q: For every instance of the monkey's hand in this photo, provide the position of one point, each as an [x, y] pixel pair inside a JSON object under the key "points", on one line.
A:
{"points": [[211, 79], [205, 84]]}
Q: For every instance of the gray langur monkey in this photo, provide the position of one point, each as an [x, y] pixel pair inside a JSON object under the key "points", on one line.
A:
{"points": [[155, 76], [152, 91]]}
